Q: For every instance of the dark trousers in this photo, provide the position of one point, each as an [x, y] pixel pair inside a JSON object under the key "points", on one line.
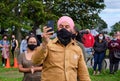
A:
{"points": [[12, 51], [98, 58], [114, 63], [4, 61]]}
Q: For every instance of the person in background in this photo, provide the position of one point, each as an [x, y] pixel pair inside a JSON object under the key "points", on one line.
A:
{"points": [[31, 72], [113, 45], [32, 34], [108, 39], [77, 35], [78, 38], [93, 31], [23, 45], [100, 47], [88, 42], [14, 45], [4, 44], [62, 58]]}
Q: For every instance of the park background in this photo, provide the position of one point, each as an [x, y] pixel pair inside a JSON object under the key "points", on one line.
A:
{"points": [[24, 16]]}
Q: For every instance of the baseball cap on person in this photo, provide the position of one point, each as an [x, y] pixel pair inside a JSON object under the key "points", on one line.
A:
{"points": [[66, 19]]}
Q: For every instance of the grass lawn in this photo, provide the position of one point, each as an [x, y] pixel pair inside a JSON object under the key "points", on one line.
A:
{"points": [[105, 76], [12, 74]]}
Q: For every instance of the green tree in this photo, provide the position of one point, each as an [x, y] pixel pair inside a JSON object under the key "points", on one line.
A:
{"points": [[11, 18], [116, 27], [35, 11], [23, 14], [84, 12], [29, 14]]}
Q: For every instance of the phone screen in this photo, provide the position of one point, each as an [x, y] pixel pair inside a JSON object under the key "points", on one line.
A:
{"points": [[50, 23]]}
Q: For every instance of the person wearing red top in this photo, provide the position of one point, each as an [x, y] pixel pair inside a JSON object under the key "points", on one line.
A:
{"points": [[88, 39], [88, 42]]}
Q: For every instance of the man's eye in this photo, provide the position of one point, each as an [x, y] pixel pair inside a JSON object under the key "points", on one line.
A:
{"points": [[61, 26]]}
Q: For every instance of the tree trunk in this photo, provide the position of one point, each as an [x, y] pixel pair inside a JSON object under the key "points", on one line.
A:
{"points": [[36, 25], [18, 34]]}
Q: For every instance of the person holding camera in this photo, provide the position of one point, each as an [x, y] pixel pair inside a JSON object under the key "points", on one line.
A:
{"points": [[62, 58]]}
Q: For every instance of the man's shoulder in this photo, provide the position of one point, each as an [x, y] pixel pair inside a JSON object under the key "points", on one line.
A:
{"points": [[78, 46]]}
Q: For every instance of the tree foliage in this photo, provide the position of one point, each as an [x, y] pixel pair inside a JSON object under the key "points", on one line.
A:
{"points": [[84, 12], [29, 14], [101, 25], [116, 27]]}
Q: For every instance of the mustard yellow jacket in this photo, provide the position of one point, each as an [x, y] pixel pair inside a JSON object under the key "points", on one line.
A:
{"points": [[61, 63]]}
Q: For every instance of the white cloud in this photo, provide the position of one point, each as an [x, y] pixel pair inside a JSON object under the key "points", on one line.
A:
{"points": [[111, 14], [112, 4], [111, 18], [107, 11]]}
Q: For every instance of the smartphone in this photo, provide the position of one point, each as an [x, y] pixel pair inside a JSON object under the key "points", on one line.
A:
{"points": [[50, 24]]}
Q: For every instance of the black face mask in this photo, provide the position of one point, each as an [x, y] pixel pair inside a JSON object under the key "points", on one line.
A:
{"points": [[32, 46], [64, 36]]}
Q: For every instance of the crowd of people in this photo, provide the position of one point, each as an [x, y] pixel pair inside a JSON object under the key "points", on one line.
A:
{"points": [[8, 47], [64, 57]]}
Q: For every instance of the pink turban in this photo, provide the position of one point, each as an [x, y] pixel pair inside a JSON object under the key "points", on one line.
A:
{"points": [[66, 19]]}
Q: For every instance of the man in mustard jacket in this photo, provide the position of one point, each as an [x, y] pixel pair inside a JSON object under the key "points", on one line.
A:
{"points": [[62, 58]]}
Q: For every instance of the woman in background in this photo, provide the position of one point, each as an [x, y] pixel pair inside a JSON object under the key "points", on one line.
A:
{"points": [[100, 47], [31, 71], [14, 47], [4, 44]]}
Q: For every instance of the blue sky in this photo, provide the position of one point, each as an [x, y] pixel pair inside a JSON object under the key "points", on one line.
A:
{"points": [[111, 13]]}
